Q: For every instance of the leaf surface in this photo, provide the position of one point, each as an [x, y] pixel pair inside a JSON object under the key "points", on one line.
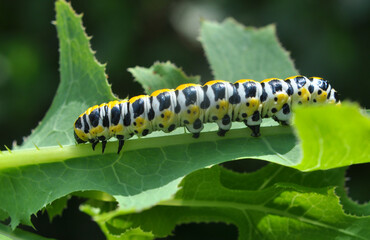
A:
{"points": [[238, 52], [332, 136], [274, 202]]}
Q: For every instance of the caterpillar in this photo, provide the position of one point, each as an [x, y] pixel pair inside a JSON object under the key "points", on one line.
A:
{"points": [[192, 105]]}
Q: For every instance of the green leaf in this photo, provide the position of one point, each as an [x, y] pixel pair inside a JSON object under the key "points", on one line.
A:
{"points": [[238, 52], [332, 136], [3, 215], [56, 207], [83, 82], [161, 75], [274, 202], [114, 229], [6, 233], [149, 169]]}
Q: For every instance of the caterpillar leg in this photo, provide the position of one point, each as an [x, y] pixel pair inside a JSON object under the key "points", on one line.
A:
{"points": [[196, 135], [253, 122], [93, 143], [224, 125], [282, 122], [255, 130], [103, 144], [284, 115], [195, 128], [121, 142], [285, 123], [222, 132]]}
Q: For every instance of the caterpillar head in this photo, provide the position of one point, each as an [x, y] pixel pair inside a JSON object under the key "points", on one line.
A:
{"points": [[79, 134], [78, 139]]}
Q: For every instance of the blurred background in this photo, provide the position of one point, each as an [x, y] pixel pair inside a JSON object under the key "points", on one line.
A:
{"points": [[329, 39]]}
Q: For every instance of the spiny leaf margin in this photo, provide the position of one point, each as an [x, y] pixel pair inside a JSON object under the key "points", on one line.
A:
{"points": [[83, 82]]}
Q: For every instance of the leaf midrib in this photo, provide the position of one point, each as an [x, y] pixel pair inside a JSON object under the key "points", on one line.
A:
{"points": [[19, 158]]}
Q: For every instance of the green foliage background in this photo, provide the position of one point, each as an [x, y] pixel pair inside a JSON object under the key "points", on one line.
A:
{"points": [[24, 53]]}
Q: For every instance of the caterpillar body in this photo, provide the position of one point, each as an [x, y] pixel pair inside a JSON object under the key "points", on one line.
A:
{"points": [[192, 105]]}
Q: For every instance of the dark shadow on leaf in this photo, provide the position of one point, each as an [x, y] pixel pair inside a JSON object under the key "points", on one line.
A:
{"points": [[203, 231], [356, 176], [244, 165]]}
